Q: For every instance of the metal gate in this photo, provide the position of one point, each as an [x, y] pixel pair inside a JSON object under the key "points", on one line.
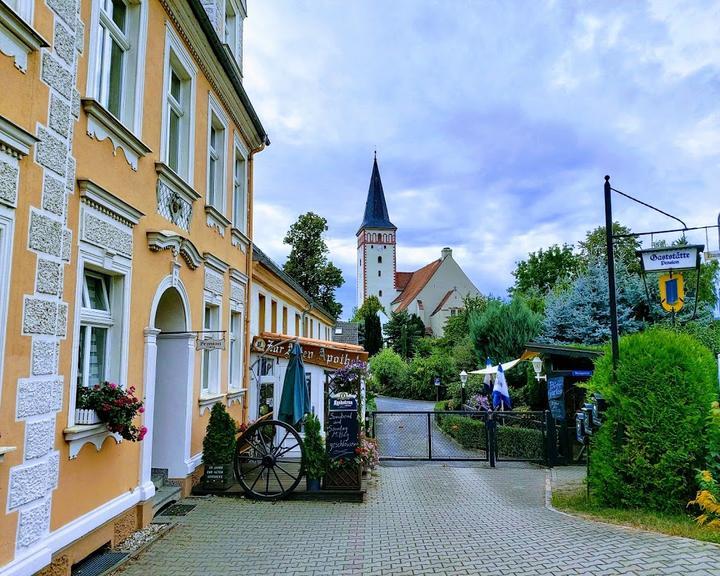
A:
{"points": [[465, 436]]}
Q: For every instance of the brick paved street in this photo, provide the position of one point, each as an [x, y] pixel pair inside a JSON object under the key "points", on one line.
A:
{"points": [[429, 519]]}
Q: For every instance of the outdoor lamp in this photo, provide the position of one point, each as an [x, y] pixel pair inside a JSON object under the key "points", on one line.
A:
{"points": [[463, 380], [537, 365]]}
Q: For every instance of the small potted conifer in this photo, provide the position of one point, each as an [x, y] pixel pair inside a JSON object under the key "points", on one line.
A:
{"points": [[218, 449], [315, 457]]}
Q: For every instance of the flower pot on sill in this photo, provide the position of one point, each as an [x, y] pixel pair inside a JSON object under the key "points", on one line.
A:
{"points": [[86, 416], [313, 484]]}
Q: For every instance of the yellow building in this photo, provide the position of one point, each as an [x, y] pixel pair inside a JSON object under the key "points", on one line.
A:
{"points": [[126, 152]]}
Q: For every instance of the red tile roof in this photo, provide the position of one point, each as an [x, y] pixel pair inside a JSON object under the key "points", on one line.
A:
{"points": [[442, 302], [417, 282], [402, 279]]}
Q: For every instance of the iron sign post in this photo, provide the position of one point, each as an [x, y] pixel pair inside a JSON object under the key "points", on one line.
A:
{"points": [[611, 276]]}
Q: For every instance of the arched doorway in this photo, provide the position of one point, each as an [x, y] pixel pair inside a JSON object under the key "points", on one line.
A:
{"points": [[169, 370]]}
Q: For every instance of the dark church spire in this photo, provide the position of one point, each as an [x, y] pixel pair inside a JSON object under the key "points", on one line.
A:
{"points": [[376, 212]]}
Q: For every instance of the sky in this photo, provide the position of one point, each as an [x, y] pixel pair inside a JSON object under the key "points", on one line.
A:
{"points": [[494, 122]]}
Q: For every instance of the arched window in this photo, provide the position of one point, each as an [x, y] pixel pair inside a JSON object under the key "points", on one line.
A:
{"points": [[379, 259], [379, 273]]}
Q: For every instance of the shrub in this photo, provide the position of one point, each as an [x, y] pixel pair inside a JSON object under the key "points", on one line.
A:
{"points": [[707, 500], [655, 431], [389, 373], [423, 372], [219, 441], [315, 457]]}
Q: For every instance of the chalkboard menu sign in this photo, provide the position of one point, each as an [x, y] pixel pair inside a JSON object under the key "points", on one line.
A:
{"points": [[341, 430], [556, 397]]}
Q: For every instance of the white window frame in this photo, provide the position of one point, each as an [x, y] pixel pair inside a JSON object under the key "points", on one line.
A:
{"points": [[236, 350], [176, 57], [218, 121], [210, 388], [24, 9], [234, 39], [7, 223], [118, 269], [134, 42], [240, 185]]}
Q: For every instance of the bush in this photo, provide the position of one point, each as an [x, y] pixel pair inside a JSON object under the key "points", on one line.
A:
{"points": [[656, 429], [469, 432], [219, 441], [423, 372], [315, 457], [389, 374]]}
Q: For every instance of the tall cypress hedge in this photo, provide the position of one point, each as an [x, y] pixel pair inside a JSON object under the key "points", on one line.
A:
{"points": [[656, 430]]}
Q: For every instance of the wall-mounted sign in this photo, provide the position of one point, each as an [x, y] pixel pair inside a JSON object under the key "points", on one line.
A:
{"points": [[207, 343], [666, 259], [326, 356], [556, 397]]}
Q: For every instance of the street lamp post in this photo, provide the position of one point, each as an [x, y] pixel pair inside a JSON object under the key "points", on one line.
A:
{"points": [[463, 381]]}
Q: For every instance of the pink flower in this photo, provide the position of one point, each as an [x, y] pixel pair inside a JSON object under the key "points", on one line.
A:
{"points": [[141, 409], [143, 429], [112, 386]]}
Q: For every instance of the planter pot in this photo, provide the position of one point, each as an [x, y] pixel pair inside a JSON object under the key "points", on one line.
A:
{"points": [[217, 477], [313, 484], [85, 416]]}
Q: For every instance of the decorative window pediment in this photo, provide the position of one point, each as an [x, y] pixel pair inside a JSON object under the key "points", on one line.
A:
{"points": [[167, 240]]}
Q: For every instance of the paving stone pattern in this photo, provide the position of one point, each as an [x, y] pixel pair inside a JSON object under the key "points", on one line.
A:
{"points": [[429, 519]]}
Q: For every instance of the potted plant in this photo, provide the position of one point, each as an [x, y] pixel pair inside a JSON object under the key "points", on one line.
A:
{"points": [[315, 457], [218, 447], [113, 406]]}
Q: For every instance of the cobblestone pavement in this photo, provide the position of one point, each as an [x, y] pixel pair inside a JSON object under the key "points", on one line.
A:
{"points": [[429, 519]]}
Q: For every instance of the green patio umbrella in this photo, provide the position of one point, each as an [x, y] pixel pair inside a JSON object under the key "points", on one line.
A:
{"points": [[295, 399]]}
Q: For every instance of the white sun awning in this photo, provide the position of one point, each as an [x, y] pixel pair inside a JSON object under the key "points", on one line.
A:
{"points": [[493, 369]]}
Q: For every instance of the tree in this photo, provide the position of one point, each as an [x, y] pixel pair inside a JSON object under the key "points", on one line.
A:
{"points": [[456, 327], [308, 264], [581, 314], [594, 247], [370, 306], [373, 334], [502, 330], [402, 332], [389, 374], [545, 269]]}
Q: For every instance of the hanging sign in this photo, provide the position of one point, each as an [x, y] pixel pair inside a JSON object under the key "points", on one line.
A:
{"points": [[672, 292], [342, 427], [666, 259], [208, 343], [325, 355]]}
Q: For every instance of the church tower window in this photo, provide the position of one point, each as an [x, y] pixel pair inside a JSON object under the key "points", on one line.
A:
{"points": [[379, 259]]}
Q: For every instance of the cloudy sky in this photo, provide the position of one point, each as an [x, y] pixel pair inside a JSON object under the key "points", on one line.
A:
{"points": [[494, 122]]}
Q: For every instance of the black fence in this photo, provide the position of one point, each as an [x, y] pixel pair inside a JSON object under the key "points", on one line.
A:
{"points": [[465, 435]]}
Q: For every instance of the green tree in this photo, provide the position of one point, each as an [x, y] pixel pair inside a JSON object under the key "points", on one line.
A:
{"points": [[502, 330], [308, 263], [389, 374], [657, 428], [545, 269], [373, 340], [594, 247], [402, 332], [456, 327], [423, 372], [370, 306]]}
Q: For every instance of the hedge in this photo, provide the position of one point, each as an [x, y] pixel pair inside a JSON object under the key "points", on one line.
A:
{"points": [[512, 441]]}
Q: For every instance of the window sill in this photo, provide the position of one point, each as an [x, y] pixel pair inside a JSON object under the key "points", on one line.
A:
{"points": [[235, 396], [216, 220], [175, 196], [239, 239], [18, 38], [6, 450], [207, 402], [103, 125], [78, 436]]}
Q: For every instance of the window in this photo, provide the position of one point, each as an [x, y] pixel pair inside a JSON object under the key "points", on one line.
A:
{"points": [[179, 110], [285, 320], [261, 313], [216, 158], [239, 214], [273, 315], [233, 29], [6, 236], [297, 325], [305, 327], [380, 293], [312, 329], [97, 326], [379, 259], [211, 358], [236, 351], [379, 273]]}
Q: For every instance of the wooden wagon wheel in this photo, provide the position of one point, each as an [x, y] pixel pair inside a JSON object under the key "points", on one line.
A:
{"points": [[269, 460]]}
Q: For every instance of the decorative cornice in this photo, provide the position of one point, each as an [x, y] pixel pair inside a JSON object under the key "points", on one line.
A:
{"points": [[17, 37], [107, 203], [167, 240], [176, 182], [237, 238], [216, 220], [102, 124], [193, 26], [215, 263], [14, 140], [238, 276]]}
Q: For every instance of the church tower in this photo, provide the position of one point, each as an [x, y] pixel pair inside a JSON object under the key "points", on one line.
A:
{"points": [[376, 263]]}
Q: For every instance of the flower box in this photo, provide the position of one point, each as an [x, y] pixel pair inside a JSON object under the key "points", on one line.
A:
{"points": [[85, 416]]}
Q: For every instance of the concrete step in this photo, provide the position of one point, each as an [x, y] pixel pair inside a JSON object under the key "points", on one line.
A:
{"points": [[164, 496]]}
